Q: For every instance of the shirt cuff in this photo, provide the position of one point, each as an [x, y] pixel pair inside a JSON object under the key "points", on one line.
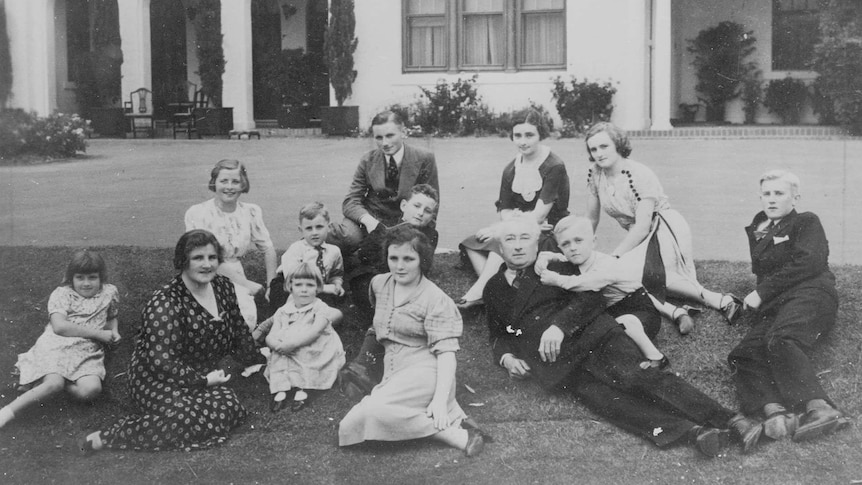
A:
{"points": [[367, 220]]}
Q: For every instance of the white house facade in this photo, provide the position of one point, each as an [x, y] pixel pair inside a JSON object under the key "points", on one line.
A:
{"points": [[516, 47]]}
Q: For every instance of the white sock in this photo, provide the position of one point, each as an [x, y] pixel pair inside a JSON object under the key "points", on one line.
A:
{"points": [[300, 395], [6, 415], [281, 396]]}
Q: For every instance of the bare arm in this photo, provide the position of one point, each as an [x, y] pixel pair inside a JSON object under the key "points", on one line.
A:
{"points": [[290, 341], [640, 229], [271, 262], [64, 328], [438, 409], [594, 209]]}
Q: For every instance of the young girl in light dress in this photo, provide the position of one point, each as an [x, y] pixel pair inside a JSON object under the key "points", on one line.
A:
{"points": [[70, 353], [305, 351]]}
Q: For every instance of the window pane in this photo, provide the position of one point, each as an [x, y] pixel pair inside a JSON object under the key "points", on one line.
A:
{"points": [[427, 42], [482, 6], [423, 7], [794, 34], [484, 41], [544, 39], [532, 5]]}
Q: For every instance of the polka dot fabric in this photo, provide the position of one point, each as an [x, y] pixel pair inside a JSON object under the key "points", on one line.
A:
{"points": [[178, 345]]}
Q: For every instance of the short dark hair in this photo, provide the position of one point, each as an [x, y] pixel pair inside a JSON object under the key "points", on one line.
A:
{"points": [[616, 134], [85, 261], [304, 271], [426, 190], [196, 238], [229, 164], [386, 116], [532, 117], [405, 234]]}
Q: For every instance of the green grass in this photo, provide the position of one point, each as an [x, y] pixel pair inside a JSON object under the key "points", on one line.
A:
{"points": [[540, 438]]}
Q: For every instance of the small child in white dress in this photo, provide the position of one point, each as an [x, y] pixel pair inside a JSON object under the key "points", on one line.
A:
{"points": [[305, 351], [70, 353]]}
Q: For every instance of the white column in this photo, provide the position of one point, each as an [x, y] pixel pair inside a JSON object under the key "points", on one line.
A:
{"points": [[661, 68], [30, 26], [237, 91], [137, 66]]}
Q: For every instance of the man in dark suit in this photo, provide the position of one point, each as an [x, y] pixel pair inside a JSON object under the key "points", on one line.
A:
{"points": [[383, 178], [796, 303], [566, 340]]}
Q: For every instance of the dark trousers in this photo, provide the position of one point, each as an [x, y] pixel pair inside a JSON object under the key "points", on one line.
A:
{"points": [[652, 403], [772, 362]]}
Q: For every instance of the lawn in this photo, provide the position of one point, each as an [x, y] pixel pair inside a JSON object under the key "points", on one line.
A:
{"points": [[539, 438]]}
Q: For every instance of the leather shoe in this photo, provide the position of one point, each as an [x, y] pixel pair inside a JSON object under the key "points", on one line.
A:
{"points": [[470, 423], [355, 381], [746, 430], [475, 443], [733, 310], [818, 422], [684, 323], [709, 441], [464, 305], [780, 425]]}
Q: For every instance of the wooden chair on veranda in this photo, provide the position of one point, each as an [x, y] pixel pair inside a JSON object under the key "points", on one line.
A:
{"points": [[183, 118], [139, 112]]}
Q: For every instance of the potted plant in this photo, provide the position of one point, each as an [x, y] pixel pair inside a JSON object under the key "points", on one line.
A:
{"points": [[339, 46], [785, 98], [720, 54], [98, 75], [205, 16]]}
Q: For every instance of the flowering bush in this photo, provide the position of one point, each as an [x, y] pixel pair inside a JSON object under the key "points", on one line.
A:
{"points": [[55, 136], [580, 104]]}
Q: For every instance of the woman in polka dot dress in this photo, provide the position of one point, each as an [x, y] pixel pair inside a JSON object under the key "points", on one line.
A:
{"points": [[189, 325], [631, 193]]}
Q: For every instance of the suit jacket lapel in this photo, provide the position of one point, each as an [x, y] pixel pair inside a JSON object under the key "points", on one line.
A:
{"points": [[377, 172], [527, 284]]}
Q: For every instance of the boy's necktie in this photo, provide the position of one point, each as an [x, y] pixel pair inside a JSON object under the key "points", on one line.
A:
{"points": [[758, 235], [392, 174], [320, 262]]}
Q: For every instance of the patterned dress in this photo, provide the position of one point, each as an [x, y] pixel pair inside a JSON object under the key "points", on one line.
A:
{"points": [[179, 343], [71, 357], [620, 197], [236, 232], [413, 333]]}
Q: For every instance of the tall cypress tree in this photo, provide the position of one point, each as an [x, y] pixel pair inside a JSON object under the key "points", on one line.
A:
{"points": [[5, 59], [339, 45]]}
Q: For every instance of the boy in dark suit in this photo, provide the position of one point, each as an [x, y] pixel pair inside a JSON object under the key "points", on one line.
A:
{"points": [[795, 303]]}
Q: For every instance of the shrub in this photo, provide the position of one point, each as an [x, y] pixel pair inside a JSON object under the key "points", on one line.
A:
{"points": [[720, 54], [785, 98], [822, 104], [838, 60], [580, 104], [450, 109], [56, 136]]}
